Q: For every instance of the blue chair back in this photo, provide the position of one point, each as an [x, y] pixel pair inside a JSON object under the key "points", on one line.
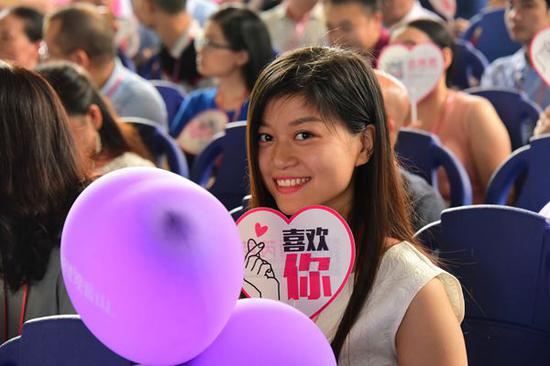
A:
{"points": [[501, 255], [515, 109], [488, 33], [125, 60], [231, 177], [63, 340], [161, 145], [468, 66], [464, 9], [528, 168], [151, 68], [422, 153], [9, 352], [172, 94], [239, 211]]}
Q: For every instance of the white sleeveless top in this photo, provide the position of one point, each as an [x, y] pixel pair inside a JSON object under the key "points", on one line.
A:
{"points": [[403, 272]]}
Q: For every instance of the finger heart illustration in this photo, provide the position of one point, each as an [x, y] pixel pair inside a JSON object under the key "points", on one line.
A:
{"points": [[303, 261], [419, 68]]}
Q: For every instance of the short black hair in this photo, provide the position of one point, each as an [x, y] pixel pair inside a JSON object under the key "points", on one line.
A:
{"points": [[171, 6], [32, 20]]}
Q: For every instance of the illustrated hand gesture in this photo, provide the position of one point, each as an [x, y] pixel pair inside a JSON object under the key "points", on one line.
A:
{"points": [[259, 276]]}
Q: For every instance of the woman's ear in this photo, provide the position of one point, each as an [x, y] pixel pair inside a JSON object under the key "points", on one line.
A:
{"points": [[367, 139], [242, 58], [447, 57], [95, 116]]}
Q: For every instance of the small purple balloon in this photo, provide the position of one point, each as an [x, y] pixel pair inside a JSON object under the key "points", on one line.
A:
{"points": [[267, 332], [153, 264]]}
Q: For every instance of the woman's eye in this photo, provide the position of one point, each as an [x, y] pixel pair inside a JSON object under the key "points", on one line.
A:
{"points": [[264, 137], [303, 136]]}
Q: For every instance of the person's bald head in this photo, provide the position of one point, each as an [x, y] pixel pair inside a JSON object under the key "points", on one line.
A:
{"points": [[396, 102]]}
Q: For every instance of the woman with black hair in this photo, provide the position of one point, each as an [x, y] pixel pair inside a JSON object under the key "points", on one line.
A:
{"points": [[233, 50], [41, 176], [105, 143], [468, 125]]}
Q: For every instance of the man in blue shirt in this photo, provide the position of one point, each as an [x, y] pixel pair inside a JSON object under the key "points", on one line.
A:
{"points": [[80, 34], [524, 18]]}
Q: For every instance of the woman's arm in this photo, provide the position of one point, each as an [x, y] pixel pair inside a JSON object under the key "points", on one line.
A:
{"points": [[489, 140], [430, 333]]}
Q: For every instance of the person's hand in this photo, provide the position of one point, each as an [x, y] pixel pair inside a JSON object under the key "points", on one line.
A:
{"points": [[543, 124], [260, 279]]}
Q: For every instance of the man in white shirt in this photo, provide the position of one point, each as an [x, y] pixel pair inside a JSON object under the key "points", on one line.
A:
{"points": [[296, 23], [397, 13]]}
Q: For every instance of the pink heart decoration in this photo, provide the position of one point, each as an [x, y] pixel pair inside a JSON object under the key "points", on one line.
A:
{"points": [[419, 68], [303, 261], [447, 8], [260, 230], [540, 54]]}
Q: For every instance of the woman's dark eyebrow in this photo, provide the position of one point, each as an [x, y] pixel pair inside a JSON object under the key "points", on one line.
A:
{"points": [[298, 121]]}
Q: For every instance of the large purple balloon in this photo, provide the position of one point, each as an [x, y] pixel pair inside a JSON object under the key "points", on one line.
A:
{"points": [[267, 332], [153, 264]]}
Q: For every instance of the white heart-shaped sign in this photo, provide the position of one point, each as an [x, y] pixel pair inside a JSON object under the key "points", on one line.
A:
{"points": [[540, 54], [303, 261], [419, 67], [447, 8]]}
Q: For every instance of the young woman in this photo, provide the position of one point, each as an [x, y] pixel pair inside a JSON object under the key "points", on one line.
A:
{"points": [[106, 143], [317, 134], [233, 50], [41, 177], [468, 125]]}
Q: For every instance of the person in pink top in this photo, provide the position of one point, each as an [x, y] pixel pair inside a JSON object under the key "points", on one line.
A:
{"points": [[468, 125]]}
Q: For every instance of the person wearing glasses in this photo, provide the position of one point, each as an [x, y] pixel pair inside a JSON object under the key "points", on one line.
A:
{"points": [[233, 49]]}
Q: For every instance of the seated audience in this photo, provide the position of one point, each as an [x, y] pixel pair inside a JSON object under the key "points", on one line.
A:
{"points": [[41, 177], [524, 18], [356, 24], [20, 36], [105, 143], [80, 34], [234, 49], [468, 125]]}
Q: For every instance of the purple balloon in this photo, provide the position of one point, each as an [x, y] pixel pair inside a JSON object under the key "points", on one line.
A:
{"points": [[153, 264], [267, 332]]}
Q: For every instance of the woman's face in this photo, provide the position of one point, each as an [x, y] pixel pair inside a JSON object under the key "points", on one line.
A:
{"points": [[305, 160], [215, 58]]}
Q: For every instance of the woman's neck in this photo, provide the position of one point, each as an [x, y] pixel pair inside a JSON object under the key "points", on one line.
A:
{"points": [[232, 92], [431, 108]]}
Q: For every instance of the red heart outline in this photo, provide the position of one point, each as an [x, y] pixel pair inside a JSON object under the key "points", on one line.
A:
{"points": [[289, 220]]}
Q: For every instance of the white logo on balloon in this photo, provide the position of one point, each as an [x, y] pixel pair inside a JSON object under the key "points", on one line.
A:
{"points": [[419, 68], [303, 261], [540, 54]]}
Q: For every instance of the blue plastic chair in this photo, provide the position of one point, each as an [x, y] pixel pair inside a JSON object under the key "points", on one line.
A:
{"points": [[488, 33], [172, 94], [61, 340], [529, 167], [501, 255], [239, 211], [9, 352], [515, 109], [468, 66], [161, 145], [231, 177], [422, 153], [464, 9]]}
